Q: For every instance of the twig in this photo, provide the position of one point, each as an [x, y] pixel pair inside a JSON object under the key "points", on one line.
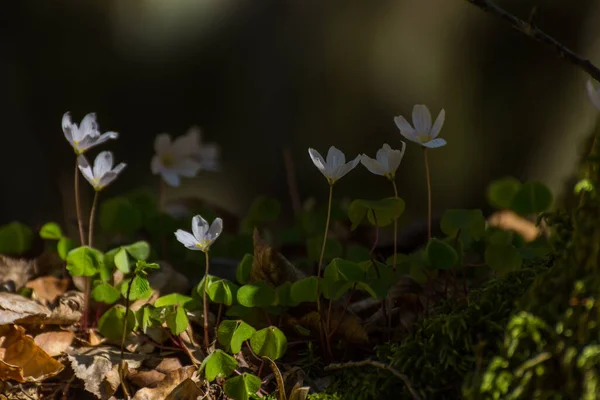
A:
{"points": [[528, 29], [377, 364]]}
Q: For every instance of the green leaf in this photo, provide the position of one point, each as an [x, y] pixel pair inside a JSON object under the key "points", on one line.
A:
{"points": [[242, 273], [304, 290], [503, 258], [584, 185], [242, 386], [470, 223], [379, 279], [64, 246], [140, 288], [144, 317], [118, 215], [111, 323], [218, 364], [145, 202], [283, 294], [339, 276], [105, 293], [441, 255], [172, 299], [138, 250], [501, 192], [84, 261], [383, 211], [333, 248], [222, 291], [15, 238], [269, 342], [122, 262], [51, 231], [264, 209], [532, 198], [357, 253], [257, 294], [232, 334], [142, 266], [177, 320]]}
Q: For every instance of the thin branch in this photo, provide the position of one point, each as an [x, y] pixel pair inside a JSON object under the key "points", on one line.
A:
{"points": [[529, 29], [380, 365]]}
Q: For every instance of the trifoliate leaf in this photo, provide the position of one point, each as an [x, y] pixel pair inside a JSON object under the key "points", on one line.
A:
{"points": [[532, 198], [140, 288], [441, 255], [111, 322], [383, 211], [64, 246], [222, 291], [242, 386], [283, 294], [138, 250], [242, 273], [172, 299], [503, 258], [304, 290], [257, 294], [105, 293], [84, 261], [15, 238], [232, 334], [470, 223], [269, 342], [51, 231], [218, 364], [500, 193], [177, 320], [122, 261]]}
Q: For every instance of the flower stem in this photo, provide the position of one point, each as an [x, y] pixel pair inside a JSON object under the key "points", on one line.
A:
{"points": [[77, 205], [428, 194], [92, 215], [324, 241], [123, 336], [395, 229], [205, 301]]}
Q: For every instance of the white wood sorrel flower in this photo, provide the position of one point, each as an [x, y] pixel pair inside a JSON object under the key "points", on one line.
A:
{"points": [[103, 173], [386, 161], [335, 167], [207, 154], [422, 133], [181, 157], [203, 234], [86, 135], [593, 94]]}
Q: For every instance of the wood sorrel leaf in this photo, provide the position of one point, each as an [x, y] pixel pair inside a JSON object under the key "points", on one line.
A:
{"points": [[441, 255], [503, 258], [177, 320], [122, 261], [269, 342], [222, 291], [257, 294], [242, 386], [218, 364], [64, 246], [172, 299], [232, 334], [51, 231], [532, 198], [15, 238], [470, 223], [105, 293], [379, 212], [138, 250], [242, 273], [304, 290], [84, 261], [500, 193], [111, 323]]}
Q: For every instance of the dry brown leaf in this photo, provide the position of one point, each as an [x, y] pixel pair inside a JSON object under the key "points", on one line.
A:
{"points": [[54, 343], [186, 390], [16, 309], [111, 382], [169, 364], [95, 339], [270, 266], [22, 360], [299, 392], [93, 364], [48, 288], [144, 379], [167, 385]]}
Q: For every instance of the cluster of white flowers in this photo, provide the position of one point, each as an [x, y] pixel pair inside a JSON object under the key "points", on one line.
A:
{"points": [[387, 160]]}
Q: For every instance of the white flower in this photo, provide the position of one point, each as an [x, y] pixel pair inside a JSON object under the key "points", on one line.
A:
{"points": [[85, 136], [175, 158], [386, 162], [203, 235], [103, 172], [593, 94], [423, 133], [336, 166], [205, 154]]}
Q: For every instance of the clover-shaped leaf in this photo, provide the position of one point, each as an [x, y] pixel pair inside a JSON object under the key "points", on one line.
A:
{"points": [[532, 198], [172, 299], [501, 192], [257, 294], [84, 261], [241, 387], [177, 320], [222, 291], [242, 273], [105, 293], [111, 323], [218, 364], [304, 290], [383, 211], [15, 238], [470, 224], [503, 258], [269, 342], [232, 334], [441, 255], [51, 231]]}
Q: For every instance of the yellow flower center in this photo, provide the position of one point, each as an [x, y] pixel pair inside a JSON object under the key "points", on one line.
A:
{"points": [[167, 160], [203, 244]]}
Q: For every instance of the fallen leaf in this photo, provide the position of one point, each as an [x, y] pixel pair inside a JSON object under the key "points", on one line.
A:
{"points": [[48, 288], [186, 390], [55, 343], [169, 364], [22, 360], [167, 385], [15, 309], [144, 379], [299, 392]]}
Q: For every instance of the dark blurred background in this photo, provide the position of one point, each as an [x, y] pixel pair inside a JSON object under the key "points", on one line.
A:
{"points": [[260, 75]]}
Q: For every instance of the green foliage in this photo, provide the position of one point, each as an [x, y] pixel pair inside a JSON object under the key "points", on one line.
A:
{"points": [[257, 294], [242, 386], [242, 273], [304, 290], [51, 230], [119, 216], [503, 258], [218, 364], [64, 246], [441, 255], [222, 291], [172, 299], [501, 192], [532, 198], [470, 224], [84, 261], [262, 210], [15, 238], [383, 211], [269, 342], [111, 322], [105, 293], [233, 333], [333, 248], [177, 320]]}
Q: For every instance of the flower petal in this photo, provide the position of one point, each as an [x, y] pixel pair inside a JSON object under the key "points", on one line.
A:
{"points": [[435, 143], [186, 167], [344, 169], [68, 127], [317, 159], [374, 166], [439, 123], [89, 127], [593, 94], [162, 143], [406, 129], [208, 157], [170, 177], [186, 145], [88, 142], [215, 230], [335, 158], [103, 164], [155, 165], [110, 176], [187, 239], [199, 227], [86, 169], [421, 118]]}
